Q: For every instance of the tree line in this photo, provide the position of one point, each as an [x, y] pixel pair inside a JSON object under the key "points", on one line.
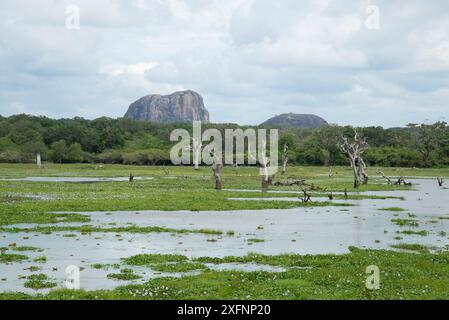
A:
{"points": [[125, 141]]}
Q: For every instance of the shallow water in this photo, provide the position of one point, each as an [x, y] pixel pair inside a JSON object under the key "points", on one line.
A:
{"points": [[75, 179], [316, 230]]}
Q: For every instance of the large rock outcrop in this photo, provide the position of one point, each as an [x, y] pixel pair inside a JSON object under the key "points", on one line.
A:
{"points": [[296, 120], [176, 107]]}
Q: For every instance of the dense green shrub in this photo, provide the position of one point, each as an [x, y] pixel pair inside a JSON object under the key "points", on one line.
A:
{"points": [[125, 141]]}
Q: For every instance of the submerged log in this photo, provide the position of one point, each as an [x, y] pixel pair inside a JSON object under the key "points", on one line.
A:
{"points": [[401, 181], [306, 196], [290, 183]]}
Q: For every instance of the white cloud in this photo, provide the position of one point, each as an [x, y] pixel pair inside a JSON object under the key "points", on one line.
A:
{"points": [[249, 59]]}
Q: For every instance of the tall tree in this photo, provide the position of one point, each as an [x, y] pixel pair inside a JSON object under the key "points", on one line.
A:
{"points": [[354, 150], [59, 151], [327, 139], [427, 138]]}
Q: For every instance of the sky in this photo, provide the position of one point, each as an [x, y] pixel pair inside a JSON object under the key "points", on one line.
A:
{"points": [[352, 62]]}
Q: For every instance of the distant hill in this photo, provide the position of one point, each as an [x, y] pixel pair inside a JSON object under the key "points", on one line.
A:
{"points": [[176, 107], [296, 120]]}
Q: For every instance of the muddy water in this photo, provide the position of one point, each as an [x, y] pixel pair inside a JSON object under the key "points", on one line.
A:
{"points": [[301, 230]]}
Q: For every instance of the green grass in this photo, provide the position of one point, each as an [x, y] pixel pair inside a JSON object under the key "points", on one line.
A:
{"points": [[181, 193], [124, 275], [255, 240], [8, 258], [86, 229], [183, 266], [26, 248], [415, 232], [394, 209], [405, 222], [164, 262], [39, 281], [402, 276], [150, 259], [410, 246], [40, 259]]}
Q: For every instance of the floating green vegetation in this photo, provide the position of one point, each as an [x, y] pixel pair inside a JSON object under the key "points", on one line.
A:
{"points": [[7, 258], [394, 209], [87, 229], [26, 248], [183, 266], [255, 240], [98, 266], [39, 281], [70, 235], [149, 259], [15, 215], [124, 275], [164, 262], [410, 247], [33, 268], [415, 232], [41, 259], [405, 222]]}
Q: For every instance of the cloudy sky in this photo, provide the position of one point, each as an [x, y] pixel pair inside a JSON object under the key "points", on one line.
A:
{"points": [[360, 62]]}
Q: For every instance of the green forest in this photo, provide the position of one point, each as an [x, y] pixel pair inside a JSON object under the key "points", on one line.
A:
{"points": [[125, 141]]}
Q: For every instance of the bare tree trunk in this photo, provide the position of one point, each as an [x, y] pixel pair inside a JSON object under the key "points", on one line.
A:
{"points": [[306, 196], [131, 177], [440, 182], [331, 173], [38, 160], [196, 152], [354, 151], [385, 177], [216, 168], [265, 181], [285, 159]]}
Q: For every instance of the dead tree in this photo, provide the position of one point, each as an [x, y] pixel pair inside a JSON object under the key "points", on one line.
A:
{"points": [[38, 160], [263, 163], [285, 159], [401, 180], [354, 151], [440, 182], [216, 168], [131, 177], [306, 197], [346, 194], [384, 176], [197, 146], [330, 173]]}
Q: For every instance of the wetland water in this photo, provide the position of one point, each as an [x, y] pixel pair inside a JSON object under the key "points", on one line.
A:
{"points": [[74, 179], [314, 230]]}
